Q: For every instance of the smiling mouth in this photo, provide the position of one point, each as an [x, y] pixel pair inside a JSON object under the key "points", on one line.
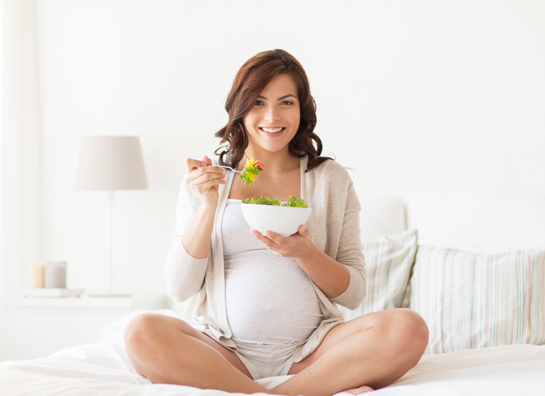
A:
{"points": [[272, 130]]}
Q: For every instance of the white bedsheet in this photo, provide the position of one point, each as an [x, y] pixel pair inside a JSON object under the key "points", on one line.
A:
{"points": [[104, 369]]}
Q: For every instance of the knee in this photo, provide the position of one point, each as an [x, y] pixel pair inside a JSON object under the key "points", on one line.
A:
{"points": [[137, 329], [411, 331], [141, 332]]}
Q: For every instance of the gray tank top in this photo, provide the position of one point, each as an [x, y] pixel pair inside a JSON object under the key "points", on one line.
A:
{"points": [[269, 299]]}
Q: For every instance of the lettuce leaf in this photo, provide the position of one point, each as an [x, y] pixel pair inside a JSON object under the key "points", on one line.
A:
{"points": [[291, 202]]}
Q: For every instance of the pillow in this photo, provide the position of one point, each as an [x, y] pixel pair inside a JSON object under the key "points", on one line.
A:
{"points": [[477, 300], [388, 263]]}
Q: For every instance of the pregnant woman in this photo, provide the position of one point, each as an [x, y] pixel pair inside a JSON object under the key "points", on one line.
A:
{"points": [[262, 305]]}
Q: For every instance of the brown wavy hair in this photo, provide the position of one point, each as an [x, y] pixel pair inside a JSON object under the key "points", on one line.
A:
{"points": [[249, 82]]}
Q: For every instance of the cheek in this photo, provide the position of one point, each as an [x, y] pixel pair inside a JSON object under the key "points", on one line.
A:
{"points": [[249, 121], [295, 120], [247, 124], [296, 114]]}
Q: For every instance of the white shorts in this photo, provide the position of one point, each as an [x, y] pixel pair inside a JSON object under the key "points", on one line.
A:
{"points": [[266, 360]]}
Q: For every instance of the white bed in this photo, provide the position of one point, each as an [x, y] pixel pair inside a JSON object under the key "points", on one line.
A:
{"points": [[457, 223], [103, 369]]}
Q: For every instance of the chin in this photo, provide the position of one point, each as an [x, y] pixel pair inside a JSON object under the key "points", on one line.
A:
{"points": [[275, 148]]}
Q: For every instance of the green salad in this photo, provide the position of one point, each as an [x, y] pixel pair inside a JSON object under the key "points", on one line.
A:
{"points": [[251, 169], [291, 202]]}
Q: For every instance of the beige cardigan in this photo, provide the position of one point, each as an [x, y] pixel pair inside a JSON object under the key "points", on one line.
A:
{"points": [[334, 229]]}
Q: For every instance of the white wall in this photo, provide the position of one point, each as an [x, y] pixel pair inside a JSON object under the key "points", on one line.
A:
{"points": [[411, 94]]}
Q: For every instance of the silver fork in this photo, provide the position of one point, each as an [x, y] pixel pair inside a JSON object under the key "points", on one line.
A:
{"points": [[227, 167]]}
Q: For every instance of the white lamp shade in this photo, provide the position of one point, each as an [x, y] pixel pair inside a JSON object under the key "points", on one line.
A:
{"points": [[111, 163]]}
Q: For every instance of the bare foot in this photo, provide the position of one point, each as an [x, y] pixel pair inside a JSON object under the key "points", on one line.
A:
{"points": [[361, 389]]}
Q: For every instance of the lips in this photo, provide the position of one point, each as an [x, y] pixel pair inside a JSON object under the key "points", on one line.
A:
{"points": [[272, 130]]}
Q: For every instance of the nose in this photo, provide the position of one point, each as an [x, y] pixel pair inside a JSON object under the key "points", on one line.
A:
{"points": [[271, 114]]}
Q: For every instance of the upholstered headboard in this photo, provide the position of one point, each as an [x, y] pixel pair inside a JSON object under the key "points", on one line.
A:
{"points": [[381, 215], [478, 222]]}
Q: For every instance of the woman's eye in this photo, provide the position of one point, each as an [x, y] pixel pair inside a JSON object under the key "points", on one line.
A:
{"points": [[258, 103], [287, 102]]}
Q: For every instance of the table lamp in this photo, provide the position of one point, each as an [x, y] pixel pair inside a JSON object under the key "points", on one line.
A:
{"points": [[111, 163]]}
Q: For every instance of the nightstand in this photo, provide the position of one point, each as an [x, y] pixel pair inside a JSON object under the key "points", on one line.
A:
{"points": [[38, 327]]}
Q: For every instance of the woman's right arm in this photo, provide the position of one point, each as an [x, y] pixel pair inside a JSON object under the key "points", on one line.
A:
{"points": [[187, 260], [205, 181]]}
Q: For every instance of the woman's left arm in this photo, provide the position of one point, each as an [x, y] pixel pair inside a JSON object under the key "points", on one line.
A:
{"points": [[329, 275]]}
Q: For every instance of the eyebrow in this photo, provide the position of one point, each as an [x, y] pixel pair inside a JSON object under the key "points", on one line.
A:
{"points": [[283, 97]]}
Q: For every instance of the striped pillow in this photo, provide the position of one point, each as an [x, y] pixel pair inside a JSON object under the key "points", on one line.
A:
{"points": [[388, 263], [477, 300]]}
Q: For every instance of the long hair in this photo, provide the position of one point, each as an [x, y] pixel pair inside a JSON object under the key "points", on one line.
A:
{"points": [[250, 80]]}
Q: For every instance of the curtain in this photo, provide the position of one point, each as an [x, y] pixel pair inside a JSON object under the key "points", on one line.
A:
{"points": [[19, 147]]}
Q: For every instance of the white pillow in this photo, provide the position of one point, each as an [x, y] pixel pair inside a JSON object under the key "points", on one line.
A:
{"points": [[388, 264], [478, 222], [475, 300]]}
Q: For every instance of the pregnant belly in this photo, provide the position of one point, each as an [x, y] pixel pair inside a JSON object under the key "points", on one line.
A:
{"points": [[269, 299]]}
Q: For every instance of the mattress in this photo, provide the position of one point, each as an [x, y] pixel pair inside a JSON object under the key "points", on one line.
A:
{"points": [[104, 369]]}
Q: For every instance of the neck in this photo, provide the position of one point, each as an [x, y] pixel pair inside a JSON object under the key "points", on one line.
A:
{"points": [[274, 162]]}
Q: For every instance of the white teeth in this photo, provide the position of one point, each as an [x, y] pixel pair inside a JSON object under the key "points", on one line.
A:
{"points": [[272, 130]]}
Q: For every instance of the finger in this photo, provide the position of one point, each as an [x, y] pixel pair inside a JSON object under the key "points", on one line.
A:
{"points": [[303, 231], [206, 179], [279, 239], [210, 172], [266, 241], [209, 185], [192, 164], [277, 253], [206, 160], [198, 177], [213, 169], [206, 173]]}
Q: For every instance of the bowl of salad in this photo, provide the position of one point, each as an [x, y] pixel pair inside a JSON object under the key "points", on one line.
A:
{"points": [[283, 218]]}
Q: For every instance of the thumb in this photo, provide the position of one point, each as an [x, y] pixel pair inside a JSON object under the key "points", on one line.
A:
{"points": [[303, 231], [206, 160]]}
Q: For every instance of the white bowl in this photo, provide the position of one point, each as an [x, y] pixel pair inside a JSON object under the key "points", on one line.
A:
{"points": [[284, 220]]}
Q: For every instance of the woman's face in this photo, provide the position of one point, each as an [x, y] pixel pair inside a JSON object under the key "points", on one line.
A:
{"points": [[274, 119]]}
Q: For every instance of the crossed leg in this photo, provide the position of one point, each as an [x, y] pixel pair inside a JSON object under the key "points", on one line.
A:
{"points": [[168, 350], [373, 350]]}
